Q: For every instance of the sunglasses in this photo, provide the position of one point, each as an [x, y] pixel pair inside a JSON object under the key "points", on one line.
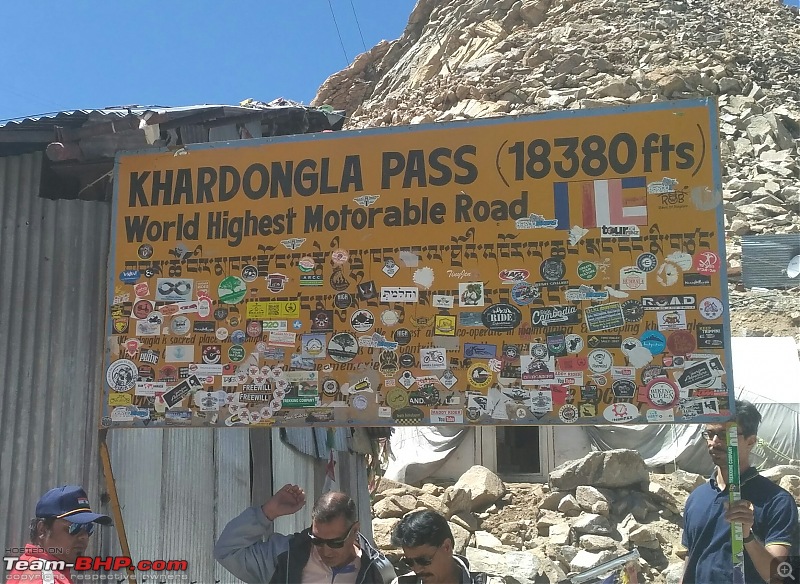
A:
{"points": [[336, 544], [421, 561], [76, 528]]}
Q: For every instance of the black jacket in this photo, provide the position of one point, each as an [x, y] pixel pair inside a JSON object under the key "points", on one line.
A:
{"points": [[467, 577], [375, 568]]}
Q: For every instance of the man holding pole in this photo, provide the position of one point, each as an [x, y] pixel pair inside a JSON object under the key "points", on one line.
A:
{"points": [[768, 514]]}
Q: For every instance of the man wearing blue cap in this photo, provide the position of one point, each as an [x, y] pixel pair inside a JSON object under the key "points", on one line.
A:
{"points": [[59, 534]]}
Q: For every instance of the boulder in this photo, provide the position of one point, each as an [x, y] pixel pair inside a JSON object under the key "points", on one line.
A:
{"points": [[484, 487], [613, 468]]}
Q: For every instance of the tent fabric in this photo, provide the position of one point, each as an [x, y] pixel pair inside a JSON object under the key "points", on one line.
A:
{"points": [[766, 371], [417, 452]]}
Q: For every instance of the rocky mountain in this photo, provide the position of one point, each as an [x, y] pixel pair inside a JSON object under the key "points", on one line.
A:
{"points": [[591, 511], [466, 59]]}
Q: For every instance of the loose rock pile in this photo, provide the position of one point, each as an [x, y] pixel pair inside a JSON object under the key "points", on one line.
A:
{"points": [[464, 59], [592, 510]]}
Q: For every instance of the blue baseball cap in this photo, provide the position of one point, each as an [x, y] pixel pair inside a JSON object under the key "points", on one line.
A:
{"points": [[71, 503]]}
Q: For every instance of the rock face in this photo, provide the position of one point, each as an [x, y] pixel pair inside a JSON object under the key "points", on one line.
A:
{"points": [[535, 533], [465, 59]]}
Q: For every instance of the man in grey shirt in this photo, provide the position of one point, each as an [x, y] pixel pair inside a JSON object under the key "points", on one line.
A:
{"points": [[331, 551]]}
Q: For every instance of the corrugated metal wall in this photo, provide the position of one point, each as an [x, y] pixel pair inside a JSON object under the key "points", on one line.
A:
{"points": [[177, 489], [765, 258], [52, 284]]}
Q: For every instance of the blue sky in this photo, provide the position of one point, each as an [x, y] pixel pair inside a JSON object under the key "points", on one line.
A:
{"points": [[82, 54]]}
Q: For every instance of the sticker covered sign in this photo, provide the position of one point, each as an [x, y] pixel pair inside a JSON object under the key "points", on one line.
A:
{"points": [[566, 268]]}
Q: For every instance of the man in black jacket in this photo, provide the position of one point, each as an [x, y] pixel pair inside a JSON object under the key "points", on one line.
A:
{"points": [[331, 551], [428, 548]]}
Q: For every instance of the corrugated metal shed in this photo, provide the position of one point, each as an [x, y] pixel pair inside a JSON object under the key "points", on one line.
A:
{"points": [[765, 257], [53, 261]]}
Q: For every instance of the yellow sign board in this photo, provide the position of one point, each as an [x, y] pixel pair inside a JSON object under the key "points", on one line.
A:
{"points": [[554, 269]]}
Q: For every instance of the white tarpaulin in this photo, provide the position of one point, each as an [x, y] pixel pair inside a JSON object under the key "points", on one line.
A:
{"points": [[766, 371]]}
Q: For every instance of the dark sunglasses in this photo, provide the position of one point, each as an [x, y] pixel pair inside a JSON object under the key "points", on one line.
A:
{"points": [[336, 544], [421, 561], [76, 528]]}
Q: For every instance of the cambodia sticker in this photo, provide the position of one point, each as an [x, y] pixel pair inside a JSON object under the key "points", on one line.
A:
{"points": [[122, 375], [556, 315], [231, 290], [479, 376], [470, 294], [711, 308], [343, 347]]}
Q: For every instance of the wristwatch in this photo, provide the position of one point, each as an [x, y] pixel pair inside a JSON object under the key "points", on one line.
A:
{"points": [[749, 538]]}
